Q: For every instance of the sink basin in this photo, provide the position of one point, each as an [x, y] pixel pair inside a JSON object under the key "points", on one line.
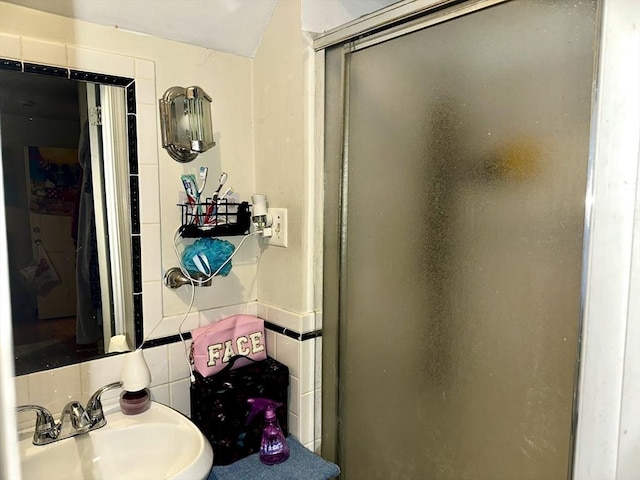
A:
{"points": [[157, 444]]}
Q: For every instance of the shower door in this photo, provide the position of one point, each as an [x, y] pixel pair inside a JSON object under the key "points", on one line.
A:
{"points": [[456, 162]]}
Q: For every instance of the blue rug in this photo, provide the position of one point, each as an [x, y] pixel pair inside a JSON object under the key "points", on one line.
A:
{"points": [[302, 464]]}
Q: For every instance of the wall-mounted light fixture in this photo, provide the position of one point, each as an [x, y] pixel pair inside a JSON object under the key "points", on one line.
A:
{"points": [[185, 114]]}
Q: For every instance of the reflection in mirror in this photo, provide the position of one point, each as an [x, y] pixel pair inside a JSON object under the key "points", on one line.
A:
{"points": [[69, 191]]}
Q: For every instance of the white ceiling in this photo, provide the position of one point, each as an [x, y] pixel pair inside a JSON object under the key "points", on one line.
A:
{"points": [[234, 26]]}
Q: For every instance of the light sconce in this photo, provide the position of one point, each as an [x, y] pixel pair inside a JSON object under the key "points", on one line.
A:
{"points": [[187, 130]]}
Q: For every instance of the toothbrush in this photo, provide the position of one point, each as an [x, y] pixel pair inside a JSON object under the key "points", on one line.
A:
{"points": [[212, 205], [226, 193], [203, 176], [221, 182]]}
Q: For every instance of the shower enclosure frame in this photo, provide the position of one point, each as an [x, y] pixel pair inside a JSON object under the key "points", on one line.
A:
{"points": [[608, 361]]}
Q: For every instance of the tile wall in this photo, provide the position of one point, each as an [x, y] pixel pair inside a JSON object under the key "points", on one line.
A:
{"points": [[290, 338], [170, 372]]}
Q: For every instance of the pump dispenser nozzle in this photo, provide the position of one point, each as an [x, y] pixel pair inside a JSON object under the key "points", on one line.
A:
{"points": [[273, 447]]}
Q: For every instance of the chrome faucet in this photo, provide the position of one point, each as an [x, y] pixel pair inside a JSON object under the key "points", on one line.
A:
{"points": [[74, 419]]}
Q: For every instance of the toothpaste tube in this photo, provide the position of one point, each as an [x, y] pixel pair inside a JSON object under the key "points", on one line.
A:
{"points": [[193, 197]]}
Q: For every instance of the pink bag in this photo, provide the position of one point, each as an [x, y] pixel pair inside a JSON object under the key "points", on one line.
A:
{"points": [[213, 345]]}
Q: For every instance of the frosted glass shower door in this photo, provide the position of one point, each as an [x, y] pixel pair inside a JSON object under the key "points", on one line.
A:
{"points": [[464, 180]]}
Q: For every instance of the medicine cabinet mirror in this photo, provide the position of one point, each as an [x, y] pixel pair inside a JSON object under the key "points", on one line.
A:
{"points": [[71, 198]]}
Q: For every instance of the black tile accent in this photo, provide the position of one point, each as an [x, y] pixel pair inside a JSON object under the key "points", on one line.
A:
{"points": [[133, 144], [292, 333], [6, 64], [135, 204], [131, 97], [137, 317], [158, 342], [311, 335], [136, 254], [100, 78], [46, 70]]}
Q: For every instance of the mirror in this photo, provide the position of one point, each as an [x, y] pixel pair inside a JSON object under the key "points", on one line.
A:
{"points": [[71, 200]]}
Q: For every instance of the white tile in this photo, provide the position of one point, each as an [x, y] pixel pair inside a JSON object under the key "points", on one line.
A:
{"points": [[22, 389], [146, 91], [261, 310], [306, 418], [149, 194], [100, 62], [294, 425], [145, 69], [161, 394], [307, 366], [151, 252], [170, 325], [180, 396], [307, 322], [318, 316], [284, 318], [215, 314], [147, 133], [151, 309], [98, 373], [36, 51], [288, 351], [318, 415], [157, 359], [10, 46], [294, 395], [270, 337], [318, 363], [53, 389], [179, 366], [252, 309]]}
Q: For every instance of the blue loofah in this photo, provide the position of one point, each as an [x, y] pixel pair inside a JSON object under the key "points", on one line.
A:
{"points": [[217, 251]]}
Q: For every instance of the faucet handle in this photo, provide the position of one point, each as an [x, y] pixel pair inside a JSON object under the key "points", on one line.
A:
{"points": [[94, 405], [47, 429], [77, 415]]}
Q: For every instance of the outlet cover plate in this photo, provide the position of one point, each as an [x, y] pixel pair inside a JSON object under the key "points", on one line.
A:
{"points": [[278, 227]]}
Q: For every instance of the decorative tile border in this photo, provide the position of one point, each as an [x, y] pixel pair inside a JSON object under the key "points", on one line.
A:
{"points": [[13, 65], [45, 70], [301, 337]]}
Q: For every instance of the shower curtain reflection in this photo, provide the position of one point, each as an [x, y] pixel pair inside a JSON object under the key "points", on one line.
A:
{"points": [[89, 316]]}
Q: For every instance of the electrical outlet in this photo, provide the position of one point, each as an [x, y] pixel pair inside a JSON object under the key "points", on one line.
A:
{"points": [[278, 228]]}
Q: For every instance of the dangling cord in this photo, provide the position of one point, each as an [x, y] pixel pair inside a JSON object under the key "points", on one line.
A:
{"points": [[184, 342], [193, 290]]}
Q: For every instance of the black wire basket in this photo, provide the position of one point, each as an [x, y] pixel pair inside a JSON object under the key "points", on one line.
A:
{"points": [[214, 219]]}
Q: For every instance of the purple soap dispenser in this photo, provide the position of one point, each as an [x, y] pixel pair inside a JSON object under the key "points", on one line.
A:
{"points": [[273, 447]]}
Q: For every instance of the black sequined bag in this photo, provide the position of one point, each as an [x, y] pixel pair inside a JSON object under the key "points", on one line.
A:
{"points": [[220, 409]]}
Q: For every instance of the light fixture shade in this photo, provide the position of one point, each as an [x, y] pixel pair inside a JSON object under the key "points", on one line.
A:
{"points": [[135, 372], [187, 130]]}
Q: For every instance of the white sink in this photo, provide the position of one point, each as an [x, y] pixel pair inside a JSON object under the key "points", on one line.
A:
{"points": [[157, 444]]}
